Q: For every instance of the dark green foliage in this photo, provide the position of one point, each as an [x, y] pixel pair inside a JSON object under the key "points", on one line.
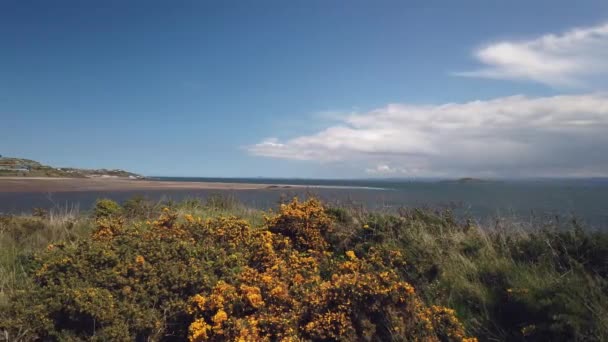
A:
{"points": [[565, 249], [340, 215], [138, 207], [106, 208]]}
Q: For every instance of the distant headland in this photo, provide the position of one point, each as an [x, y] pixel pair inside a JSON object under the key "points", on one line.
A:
{"points": [[19, 167], [25, 175]]}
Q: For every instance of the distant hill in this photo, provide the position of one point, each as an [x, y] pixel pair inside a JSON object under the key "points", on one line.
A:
{"points": [[30, 168], [466, 180]]}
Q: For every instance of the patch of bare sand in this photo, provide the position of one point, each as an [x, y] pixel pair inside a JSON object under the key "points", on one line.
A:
{"points": [[50, 184]]}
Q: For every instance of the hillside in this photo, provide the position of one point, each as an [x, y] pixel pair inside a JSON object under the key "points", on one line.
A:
{"points": [[19, 167]]}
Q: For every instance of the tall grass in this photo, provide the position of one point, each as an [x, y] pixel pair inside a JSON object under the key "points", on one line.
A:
{"points": [[21, 236], [508, 281]]}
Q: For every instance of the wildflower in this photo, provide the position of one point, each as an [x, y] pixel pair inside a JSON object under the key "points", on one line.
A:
{"points": [[140, 260], [266, 279], [198, 330], [366, 226], [253, 295], [409, 289], [279, 292], [199, 301], [351, 255], [298, 279], [220, 317]]}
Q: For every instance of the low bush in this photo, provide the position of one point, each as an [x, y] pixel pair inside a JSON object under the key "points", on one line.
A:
{"points": [[139, 207], [105, 208]]}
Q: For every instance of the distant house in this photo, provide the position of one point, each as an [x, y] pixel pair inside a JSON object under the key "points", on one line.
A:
{"points": [[17, 168]]}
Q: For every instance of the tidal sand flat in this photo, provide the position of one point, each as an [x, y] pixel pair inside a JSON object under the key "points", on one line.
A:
{"points": [[51, 184]]}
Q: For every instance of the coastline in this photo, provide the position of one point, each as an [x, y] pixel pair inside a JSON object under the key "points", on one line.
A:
{"points": [[57, 184]]}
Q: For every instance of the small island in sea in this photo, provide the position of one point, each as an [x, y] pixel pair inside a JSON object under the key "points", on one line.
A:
{"points": [[466, 180]]}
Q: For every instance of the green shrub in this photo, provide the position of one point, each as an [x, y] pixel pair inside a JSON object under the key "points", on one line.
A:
{"points": [[138, 207], [340, 215], [106, 208]]}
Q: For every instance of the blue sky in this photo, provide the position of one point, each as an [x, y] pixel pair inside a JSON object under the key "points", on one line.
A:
{"points": [[307, 88]]}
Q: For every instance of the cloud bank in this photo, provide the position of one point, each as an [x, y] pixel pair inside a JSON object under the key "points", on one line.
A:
{"points": [[510, 136], [576, 58]]}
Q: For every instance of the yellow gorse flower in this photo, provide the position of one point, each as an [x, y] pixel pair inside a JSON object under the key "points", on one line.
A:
{"points": [[199, 331], [220, 317]]}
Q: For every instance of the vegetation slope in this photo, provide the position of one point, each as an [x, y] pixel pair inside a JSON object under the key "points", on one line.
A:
{"points": [[218, 271], [29, 168]]}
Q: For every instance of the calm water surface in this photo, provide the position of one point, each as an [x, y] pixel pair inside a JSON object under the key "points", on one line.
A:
{"points": [[586, 199]]}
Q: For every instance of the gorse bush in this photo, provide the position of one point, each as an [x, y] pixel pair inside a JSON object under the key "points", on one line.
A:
{"points": [[294, 286], [181, 277], [105, 208], [138, 207]]}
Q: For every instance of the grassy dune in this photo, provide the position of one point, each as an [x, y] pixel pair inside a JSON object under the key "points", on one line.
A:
{"points": [[216, 270]]}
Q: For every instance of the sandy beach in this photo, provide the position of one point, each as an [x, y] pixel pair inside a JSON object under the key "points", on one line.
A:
{"points": [[49, 184]]}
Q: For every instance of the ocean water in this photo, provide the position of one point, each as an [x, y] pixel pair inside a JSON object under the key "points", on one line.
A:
{"points": [[585, 199]]}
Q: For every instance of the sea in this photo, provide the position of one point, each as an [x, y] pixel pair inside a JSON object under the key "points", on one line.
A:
{"points": [[585, 200]]}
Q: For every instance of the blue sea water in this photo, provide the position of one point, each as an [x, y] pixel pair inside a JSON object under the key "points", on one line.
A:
{"points": [[586, 199]]}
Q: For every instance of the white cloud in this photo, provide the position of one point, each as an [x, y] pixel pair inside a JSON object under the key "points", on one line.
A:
{"points": [[383, 169], [509, 136], [576, 58]]}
